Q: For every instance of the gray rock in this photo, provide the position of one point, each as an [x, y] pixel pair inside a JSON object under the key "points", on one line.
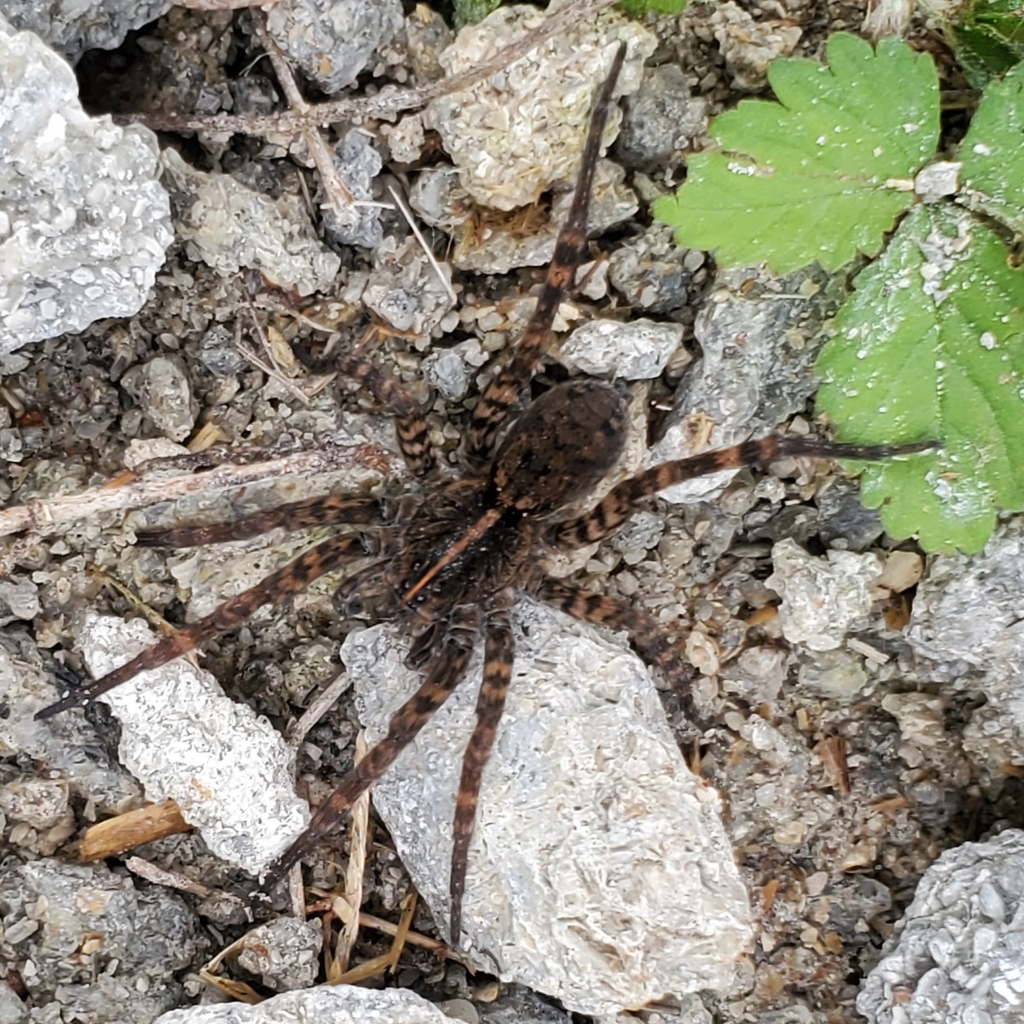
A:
{"points": [[821, 597], [67, 745], [228, 769], [332, 40], [599, 871], [660, 120], [969, 617], [759, 345], [326, 1004], [232, 226], [284, 953], [446, 371], [957, 956], [521, 1006], [404, 288], [654, 274], [73, 26], [749, 45], [358, 164], [12, 1009], [111, 949], [161, 387], [843, 519], [19, 599], [84, 223], [635, 350]]}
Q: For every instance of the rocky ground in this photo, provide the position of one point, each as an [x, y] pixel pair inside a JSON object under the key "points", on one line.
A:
{"points": [[864, 701]]}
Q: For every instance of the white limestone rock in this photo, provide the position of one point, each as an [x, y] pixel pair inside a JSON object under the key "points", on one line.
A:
{"points": [[84, 222], [599, 871], [227, 768], [514, 134], [821, 597], [326, 1004], [635, 350]]}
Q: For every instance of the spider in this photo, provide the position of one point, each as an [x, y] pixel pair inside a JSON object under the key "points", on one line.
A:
{"points": [[449, 564]]}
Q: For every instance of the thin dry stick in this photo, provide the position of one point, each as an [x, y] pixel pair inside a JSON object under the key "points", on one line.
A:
{"points": [[389, 101], [44, 514], [387, 962], [270, 370], [296, 732], [338, 196], [407, 214]]}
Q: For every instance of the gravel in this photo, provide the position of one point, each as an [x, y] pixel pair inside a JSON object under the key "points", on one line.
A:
{"points": [[844, 752]]}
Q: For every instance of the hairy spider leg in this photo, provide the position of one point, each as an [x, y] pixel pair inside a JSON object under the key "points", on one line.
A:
{"points": [[510, 382], [620, 503], [410, 423], [324, 510], [490, 705], [650, 643], [444, 675], [277, 587]]}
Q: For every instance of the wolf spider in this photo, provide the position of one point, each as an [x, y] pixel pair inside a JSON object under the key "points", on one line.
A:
{"points": [[451, 566]]}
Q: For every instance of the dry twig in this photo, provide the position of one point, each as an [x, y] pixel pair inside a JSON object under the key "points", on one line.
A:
{"points": [[42, 515], [390, 101], [133, 828]]}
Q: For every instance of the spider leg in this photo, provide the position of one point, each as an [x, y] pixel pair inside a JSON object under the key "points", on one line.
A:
{"points": [[650, 642], [277, 587], [443, 677], [298, 515], [569, 248], [618, 505], [410, 423], [489, 707]]}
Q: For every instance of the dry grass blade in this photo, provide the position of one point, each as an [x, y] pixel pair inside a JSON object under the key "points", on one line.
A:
{"points": [[388, 961], [355, 872]]}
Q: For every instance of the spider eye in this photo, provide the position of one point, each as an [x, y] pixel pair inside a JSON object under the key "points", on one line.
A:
{"points": [[561, 447]]}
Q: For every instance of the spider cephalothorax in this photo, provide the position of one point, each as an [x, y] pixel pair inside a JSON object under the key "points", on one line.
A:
{"points": [[450, 566]]}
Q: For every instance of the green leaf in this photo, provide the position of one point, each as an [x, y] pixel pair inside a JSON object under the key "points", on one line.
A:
{"points": [[988, 38], [931, 345], [811, 177], [639, 8], [469, 12], [993, 152]]}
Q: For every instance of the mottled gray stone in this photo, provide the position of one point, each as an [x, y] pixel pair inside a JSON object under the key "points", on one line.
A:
{"points": [[821, 597], [326, 1004], [759, 345], [84, 223], [232, 226], [957, 956], [332, 40], [634, 350], [284, 953], [73, 26], [969, 617], [660, 120], [54, 908]]}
